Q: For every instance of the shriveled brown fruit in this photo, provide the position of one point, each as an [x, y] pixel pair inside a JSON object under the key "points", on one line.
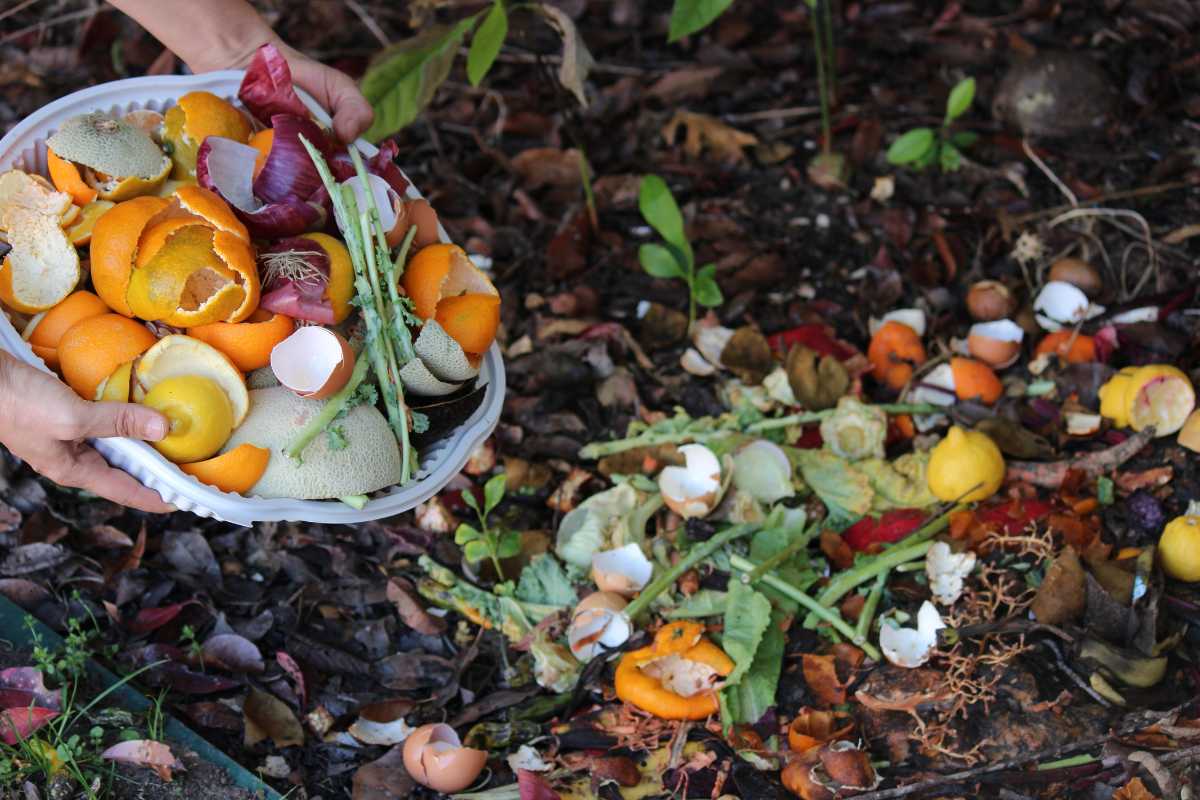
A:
{"points": [[817, 384], [1062, 595], [748, 355], [662, 327]]}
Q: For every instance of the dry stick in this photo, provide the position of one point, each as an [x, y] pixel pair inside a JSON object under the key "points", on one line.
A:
{"points": [[1118, 212], [1125, 194], [1051, 475]]}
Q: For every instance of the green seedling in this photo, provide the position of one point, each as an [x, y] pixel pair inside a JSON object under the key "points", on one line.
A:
{"points": [[674, 258], [922, 147], [487, 542]]}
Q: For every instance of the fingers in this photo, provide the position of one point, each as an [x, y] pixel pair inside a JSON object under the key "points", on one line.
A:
{"points": [[99, 420], [92, 473], [338, 93]]}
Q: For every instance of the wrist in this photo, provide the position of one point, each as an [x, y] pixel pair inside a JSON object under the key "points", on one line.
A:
{"points": [[230, 49]]}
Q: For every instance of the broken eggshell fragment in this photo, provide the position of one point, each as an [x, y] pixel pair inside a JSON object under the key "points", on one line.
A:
{"points": [[623, 570], [762, 470], [912, 317], [434, 757], [313, 362], [996, 343], [599, 624], [1061, 304], [911, 647], [694, 489], [946, 572]]}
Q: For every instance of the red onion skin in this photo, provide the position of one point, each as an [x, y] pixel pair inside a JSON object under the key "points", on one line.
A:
{"points": [[267, 89]]}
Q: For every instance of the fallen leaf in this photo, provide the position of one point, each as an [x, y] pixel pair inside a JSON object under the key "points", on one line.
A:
{"points": [[820, 673], [684, 84], [268, 717], [17, 723], [548, 166], [384, 778], [211, 714], [532, 786], [233, 652], [1062, 595], [28, 558], [25, 593], [144, 753], [577, 60], [412, 612], [25, 686], [293, 670], [1134, 790], [704, 132], [150, 619], [190, 553]]}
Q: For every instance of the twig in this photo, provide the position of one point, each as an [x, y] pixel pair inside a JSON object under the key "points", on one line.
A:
{"points": [[816, 416], [1125, 194], [1049, 173], [1051, 475], [598, 68], [772, 113], [18, 8], [369, 22], [50, 23], [1118, 212]]}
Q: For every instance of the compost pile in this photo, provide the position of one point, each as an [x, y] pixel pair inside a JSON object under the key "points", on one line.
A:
{"points": [[845, 463]]}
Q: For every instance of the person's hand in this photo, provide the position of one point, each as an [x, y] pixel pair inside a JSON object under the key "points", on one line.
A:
{"points": [[334, 90], [45, 424]]}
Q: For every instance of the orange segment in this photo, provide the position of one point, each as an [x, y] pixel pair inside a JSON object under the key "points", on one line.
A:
{"points": [[471, 320], [236, 471], [94, 347], [340, 290], [48, 330], [114, 243], [66, 178], [262, 142], [439, 271], [210, 206], [974, 380], [247, 344]]}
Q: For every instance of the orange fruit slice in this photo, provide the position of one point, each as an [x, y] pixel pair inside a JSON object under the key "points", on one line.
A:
{"points": [[262, 142], [248, 344], [114, 244], [197, 115], [440, 271], [80, 231], [66, 178], [46, 330], [974, 380], [236, 471], [42, 267], [471, 320], [94, 347]]}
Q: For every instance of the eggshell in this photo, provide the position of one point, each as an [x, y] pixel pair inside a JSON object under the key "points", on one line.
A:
{"points": [[434, 757], [695, 489], [997, 343], [623, 570], [912, 317], [1060, 303], [599, 624], [313, 362]]}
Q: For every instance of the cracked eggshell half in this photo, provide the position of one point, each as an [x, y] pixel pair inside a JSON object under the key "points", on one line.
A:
{"points": [[313, 362], [599, 624], [997, 344], [1061, 304], [912, 317], [912, 647], [694, 489], [624, 570], [434, 757]]}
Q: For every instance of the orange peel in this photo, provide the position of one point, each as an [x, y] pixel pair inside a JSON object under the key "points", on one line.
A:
{"points": [[196, 116], [235, 471], [247, 344], [93, 348], [46, 330], [444, 285]]}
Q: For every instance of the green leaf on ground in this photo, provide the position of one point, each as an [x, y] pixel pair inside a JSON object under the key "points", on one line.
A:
{"points": [[911, 147], [689, 16], [659, 262], [544, 581], [487, 43], [755, 692], [960, 99], [747, 615]]}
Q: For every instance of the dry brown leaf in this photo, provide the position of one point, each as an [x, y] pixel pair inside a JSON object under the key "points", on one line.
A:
{"points": [[547, 166], [703, 132], [268, 717], [1134, 790], [1062, 595], [411, 611], [820, 673], [684, 84]]}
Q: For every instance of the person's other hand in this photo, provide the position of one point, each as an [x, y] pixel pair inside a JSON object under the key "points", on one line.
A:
{"points": [[334, 90], [45, 424]]}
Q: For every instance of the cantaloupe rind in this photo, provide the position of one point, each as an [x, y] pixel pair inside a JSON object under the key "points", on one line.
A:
{"points": [[369, 462], [110, 146], [177, 355], [444, 357], [417, 378]]}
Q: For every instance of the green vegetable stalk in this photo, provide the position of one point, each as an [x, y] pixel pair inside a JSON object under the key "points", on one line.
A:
{"points": [[333, 406]]}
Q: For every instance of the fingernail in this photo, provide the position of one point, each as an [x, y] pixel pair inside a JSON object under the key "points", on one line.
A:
{"points": [[156, 429]]}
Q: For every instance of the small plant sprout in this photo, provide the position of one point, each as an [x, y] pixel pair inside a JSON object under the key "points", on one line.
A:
{"points": [[675, 258], [923, 147], [486, 542]]}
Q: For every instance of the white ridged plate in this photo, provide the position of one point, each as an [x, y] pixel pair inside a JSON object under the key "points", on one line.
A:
{"points": [[24, 148]]}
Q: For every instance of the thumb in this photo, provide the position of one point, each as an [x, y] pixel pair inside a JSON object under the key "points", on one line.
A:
{"points": [[124, 419]]}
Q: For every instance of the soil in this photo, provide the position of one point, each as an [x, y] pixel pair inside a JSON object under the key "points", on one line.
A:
{"points": [[199, 780]]}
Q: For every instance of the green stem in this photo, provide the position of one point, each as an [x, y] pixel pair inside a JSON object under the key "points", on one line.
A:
{"points": [[392, 272], [602, 449], [822, 87], [333, 406], [795, 546], [787, 589], [912, 547], [809, 417], [694, 556], [868, 610]]}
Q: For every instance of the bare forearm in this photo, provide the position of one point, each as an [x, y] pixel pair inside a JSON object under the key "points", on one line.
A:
{"points": [[214, 34]]}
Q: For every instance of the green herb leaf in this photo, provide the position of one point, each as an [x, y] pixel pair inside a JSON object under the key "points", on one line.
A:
{"points": [[544, 581], [846, 491], [509, 544], [659, 262], [704, 603], [706, 291], [476, 551], [468, 497], [493, 492], [950, 158], [465, 533], [487, 42], [964, 139], [960, 99], [911, 146], [689, 16], [755, 692], [335, 438], [661, 212], [747, 616], [401, 81]]}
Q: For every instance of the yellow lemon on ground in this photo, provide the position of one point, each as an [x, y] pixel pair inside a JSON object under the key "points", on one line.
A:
{"points": [[199, 413], [1179, 546], [1157, 395], [965, 467]]}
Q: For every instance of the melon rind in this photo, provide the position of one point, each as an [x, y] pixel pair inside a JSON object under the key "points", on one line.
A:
{"points": [[443, 356], [417, 378], [371, 460], [109, 145]]}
